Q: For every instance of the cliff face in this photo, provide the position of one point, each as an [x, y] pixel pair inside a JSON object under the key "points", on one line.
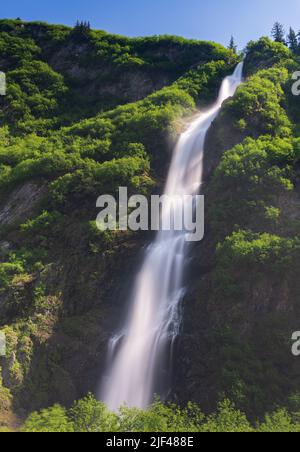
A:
{"points": [[101, 70], [68, 135], [243, 302], [65, 285]]}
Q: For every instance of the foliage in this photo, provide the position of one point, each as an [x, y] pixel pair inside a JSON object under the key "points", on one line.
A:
{"points": [[227, 419], [245, 248], [61, 95], [49, 420], [99, 178], [278, 33], [258, 104], [133, 131], [68, 124], [279, 422], [257, 164], [264, 53], [89, 415]]}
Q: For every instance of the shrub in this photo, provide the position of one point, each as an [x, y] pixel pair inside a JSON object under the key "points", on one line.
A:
{"points": [[95, 178], [253, 166], [89, 415], [245, 248], [258, 104], [265, 53], [51, 420]]}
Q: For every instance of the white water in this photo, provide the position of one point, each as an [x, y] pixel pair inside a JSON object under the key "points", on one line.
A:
{"points": [[139, 356]]}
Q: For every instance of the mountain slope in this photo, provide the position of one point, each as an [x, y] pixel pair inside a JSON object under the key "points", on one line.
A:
{"points": [[63, 283], [87, 112], [243, 305]]}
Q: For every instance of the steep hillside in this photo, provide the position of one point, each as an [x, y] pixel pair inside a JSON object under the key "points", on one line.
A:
{"points": [[63, 283], [58, 75], [243, 303], [87, 112]]}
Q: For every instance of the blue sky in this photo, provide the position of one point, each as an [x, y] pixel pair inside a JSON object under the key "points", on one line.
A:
{"points": [[200, 19]]}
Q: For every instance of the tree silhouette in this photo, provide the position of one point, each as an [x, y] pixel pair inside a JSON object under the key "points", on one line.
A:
{"points": [[278, 33], [232, 46], [82, 27], [81, 31], [293, 41]]}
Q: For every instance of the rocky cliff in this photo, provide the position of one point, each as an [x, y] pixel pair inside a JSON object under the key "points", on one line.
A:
{"points": [[87, 112]]}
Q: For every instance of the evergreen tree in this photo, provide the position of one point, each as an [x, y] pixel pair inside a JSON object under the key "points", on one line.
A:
{"points": [[232, 46], [293, 41], [278, 33], [82, 28]]}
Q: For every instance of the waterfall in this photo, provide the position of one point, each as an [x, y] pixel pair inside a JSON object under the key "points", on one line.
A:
{"points": [[140, 355]]}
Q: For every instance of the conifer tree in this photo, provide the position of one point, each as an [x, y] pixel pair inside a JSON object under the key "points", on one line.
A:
{"points": [[232, 46], [298, 42], [293, 41], [82, 28], [278, 33]]}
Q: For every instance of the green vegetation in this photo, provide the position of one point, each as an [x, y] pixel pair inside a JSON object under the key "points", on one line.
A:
{"points": [[122, 137], [249, 296], [278, 33], [257, 108], [265, 53], [87, 112], [41, 97], [73, 126], [292, 40], [91, 416]]}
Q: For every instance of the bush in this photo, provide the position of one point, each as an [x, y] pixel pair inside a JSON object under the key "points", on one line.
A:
{"points": [[257, 165], [7, 272], [50, 420], [264, 53], [248, 249], [89, 415], [34, 91], [258, 104], [227, 420], [98, 178], [279, 422]]}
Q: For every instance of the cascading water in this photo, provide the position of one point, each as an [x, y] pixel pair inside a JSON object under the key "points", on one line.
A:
{"points": [[138, 356]]}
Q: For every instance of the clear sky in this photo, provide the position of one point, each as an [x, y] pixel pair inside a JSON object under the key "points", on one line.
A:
{"points": [[201, 19]]}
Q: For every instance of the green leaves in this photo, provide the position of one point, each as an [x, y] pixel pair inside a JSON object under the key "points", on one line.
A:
{"points": [[257, 163], [265, 53], [50, 420], [98, 178], [227, 420], [279, 422], [258, 104], [244, 247], [90, 416], [34, 91], [17, 50]]}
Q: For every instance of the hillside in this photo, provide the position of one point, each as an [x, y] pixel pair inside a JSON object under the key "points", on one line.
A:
{"points": [[87, 112], [243, 305]]}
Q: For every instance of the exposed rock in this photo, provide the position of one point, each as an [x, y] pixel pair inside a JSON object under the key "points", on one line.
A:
{"points": [[20, 204]]}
